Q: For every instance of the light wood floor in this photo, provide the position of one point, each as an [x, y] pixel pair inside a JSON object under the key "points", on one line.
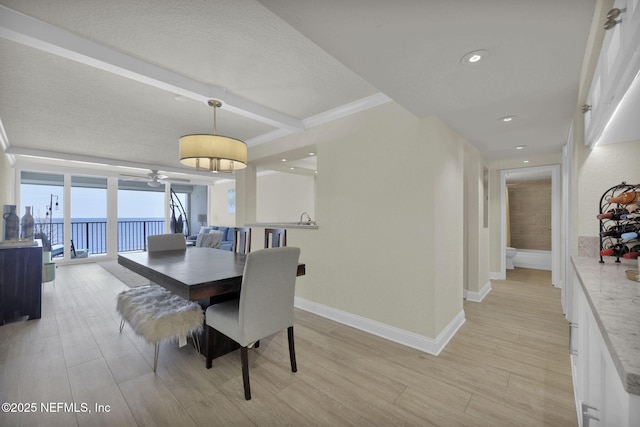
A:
{"points": [[508, 365]]}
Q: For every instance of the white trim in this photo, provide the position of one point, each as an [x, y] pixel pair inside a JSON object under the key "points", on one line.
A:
{"points": [[4, 144], [478, 296], [325, 117], [496, 275], [401, 336], [347, 109]]}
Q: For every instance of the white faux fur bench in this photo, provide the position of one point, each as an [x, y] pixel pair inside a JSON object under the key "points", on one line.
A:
{"points": [[158, 315]]}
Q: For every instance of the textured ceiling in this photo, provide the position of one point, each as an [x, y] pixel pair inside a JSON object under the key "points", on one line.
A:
{"points": [[107, 88]]}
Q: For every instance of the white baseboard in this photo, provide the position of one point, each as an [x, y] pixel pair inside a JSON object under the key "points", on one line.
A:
{"points": [[497, 276], [410, 339], [478, 296], [529, 258]]}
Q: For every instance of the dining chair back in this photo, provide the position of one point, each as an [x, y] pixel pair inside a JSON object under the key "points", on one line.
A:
{"points": [[166, 242], [265, 305], [242, 240], [275, 237]]}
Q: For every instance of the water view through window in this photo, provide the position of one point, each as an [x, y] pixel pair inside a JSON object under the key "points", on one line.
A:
{"points": [[140, 212]]}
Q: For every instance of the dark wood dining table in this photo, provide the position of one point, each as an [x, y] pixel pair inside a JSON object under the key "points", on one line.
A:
{"points": [[194, 273], [205, 275]]}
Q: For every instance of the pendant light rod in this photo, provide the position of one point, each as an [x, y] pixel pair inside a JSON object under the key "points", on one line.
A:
{"points": [[215, 104]]}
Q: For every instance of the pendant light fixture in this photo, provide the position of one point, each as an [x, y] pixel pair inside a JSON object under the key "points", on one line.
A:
{"points": [[214, 153]]}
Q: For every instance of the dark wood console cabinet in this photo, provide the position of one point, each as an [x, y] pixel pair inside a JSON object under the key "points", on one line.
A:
{"points": [[20, 283]]}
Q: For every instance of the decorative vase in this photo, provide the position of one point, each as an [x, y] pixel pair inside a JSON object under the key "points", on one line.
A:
{"points": [[27, 224], [11, 223]]}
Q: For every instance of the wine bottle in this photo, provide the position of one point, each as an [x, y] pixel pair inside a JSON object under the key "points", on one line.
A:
{"points": [[625, 198], [614, 214], [632, 215], [619, 250], [629, 236], [617, 231]]}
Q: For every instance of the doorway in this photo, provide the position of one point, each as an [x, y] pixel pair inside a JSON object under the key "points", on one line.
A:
{"points": [[534, 173]]}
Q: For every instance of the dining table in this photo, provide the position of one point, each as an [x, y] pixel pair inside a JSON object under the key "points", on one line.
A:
{"points": [[194, 273], [202, 274]]}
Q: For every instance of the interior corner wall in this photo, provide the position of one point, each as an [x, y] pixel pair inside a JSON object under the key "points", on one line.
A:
{"points": [[387, 247]]}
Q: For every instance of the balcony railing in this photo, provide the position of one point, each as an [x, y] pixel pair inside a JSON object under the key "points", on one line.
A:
{"points": [[132, 235]]}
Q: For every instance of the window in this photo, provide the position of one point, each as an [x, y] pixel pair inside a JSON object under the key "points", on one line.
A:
{"points": [[44, 193], [89, 215]]}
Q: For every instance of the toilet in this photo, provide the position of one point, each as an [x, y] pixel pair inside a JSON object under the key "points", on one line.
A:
{"points": [[510, 252]]}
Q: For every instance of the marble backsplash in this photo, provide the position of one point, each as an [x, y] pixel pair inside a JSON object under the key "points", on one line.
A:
{"points": [[589, 246]]}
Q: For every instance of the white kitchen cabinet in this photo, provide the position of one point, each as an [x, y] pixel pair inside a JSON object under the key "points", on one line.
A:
{"points": [[601, 399], [618, 66]]}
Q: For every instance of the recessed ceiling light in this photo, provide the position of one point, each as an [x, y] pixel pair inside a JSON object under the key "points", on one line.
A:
{"points": [[284, 160], [312, 153], [292, 168], [520, 147], [507, 119], [475, 56], [525, 161]]}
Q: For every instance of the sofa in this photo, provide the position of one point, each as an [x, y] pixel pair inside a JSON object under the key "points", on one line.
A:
{"points": [[228, 236]]}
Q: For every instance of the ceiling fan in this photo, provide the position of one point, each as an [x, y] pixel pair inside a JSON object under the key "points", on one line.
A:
{"points": [[153, 179]]}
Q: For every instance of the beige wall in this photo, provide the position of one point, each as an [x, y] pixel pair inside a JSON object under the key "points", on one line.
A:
{"points": [[218, 205], [284, 197], [476, 236], [530, 215], [280, 197], [383, 250], [600, 169]]}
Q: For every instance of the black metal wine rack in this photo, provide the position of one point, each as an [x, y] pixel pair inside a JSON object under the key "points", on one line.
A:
{"points": [[613, 224]]}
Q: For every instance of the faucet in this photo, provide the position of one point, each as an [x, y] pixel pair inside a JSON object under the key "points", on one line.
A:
{"points": [[309, 221]]}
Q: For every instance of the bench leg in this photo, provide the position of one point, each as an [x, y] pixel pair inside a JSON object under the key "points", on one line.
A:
{"points": [[121, 324], [155, 357]]}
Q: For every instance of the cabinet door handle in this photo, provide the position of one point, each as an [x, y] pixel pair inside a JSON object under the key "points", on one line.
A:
{"points": [[586, 416], [572, 351]]}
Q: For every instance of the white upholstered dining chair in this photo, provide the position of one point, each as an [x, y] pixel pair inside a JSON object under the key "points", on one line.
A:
{"points": [[265, 305], [166, 242]]}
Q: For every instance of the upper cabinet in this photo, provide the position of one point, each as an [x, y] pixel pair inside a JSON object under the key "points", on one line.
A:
{"points": [[614, 97]]}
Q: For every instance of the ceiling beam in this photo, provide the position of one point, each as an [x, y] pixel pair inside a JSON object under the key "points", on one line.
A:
{"points": [[32, 32]]}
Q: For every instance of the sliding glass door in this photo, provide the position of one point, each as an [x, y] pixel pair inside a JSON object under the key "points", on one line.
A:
{"points": [[141, 213], [43, 193], [87, 216]]}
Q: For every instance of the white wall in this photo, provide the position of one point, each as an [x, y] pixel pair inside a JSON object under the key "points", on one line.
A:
{"points": [[284, 197]]}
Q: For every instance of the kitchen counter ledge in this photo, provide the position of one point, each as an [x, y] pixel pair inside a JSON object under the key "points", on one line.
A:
{"points": [[290, 225]]}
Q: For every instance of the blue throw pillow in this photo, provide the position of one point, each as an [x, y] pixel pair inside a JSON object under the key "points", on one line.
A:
{"points": [[224, 232]]}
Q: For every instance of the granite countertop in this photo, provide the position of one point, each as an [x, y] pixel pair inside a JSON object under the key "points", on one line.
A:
{"points": [[296, 225], [615, 303]]}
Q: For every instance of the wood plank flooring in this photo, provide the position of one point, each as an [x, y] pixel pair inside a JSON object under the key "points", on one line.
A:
{"points": [[508, 365]]}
